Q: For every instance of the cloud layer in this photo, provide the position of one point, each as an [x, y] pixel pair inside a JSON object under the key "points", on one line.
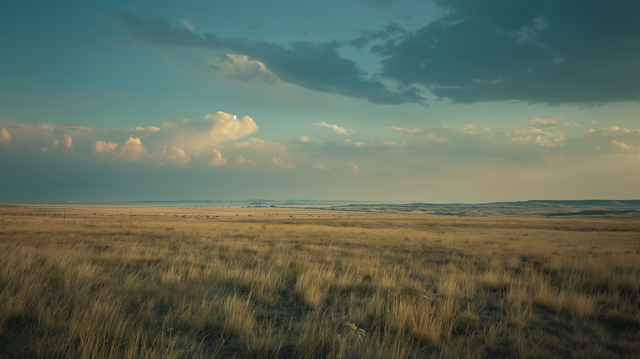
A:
{"points": [[315, 66], [535, 51], [175, 143], [546, 51]]}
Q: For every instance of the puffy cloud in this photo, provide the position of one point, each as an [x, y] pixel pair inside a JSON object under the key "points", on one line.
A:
{"points": [[551, 123], [305, 139], [68, 142], [239, 67], [352, 168], [194, 136], [460, 144], [616, 129], [176, 142], [610, 142], [242, 160], [217, 159], [538, 136], [261, 150], [173, 155], [150, 129], [335, 128], [30, 137], [4, 135], [320, 167], [132, 149], [102, 147], [621, 145], [278, 163], [470, 129]]}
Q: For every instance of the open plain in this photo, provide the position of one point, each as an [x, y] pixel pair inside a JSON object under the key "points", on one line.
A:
{"points": [[174, 282]]}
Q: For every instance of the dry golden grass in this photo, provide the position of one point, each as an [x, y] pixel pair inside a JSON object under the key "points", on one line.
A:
{"points": [[238, 316], [180, 282]]}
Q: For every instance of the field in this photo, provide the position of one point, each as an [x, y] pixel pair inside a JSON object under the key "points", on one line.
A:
{"points": [[188, 282]]}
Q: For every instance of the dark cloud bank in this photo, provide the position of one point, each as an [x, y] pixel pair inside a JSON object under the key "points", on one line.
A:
{"points": [[316, 66], [541, 51]]}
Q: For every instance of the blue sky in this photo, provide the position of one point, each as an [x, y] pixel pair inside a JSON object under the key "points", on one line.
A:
{"points": [[443, 100]]}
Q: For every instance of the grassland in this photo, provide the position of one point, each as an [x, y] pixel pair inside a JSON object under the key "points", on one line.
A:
{"points": [[174, 282]]}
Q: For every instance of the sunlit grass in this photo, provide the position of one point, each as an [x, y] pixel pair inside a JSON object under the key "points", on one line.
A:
{"points": [[286, 284]]}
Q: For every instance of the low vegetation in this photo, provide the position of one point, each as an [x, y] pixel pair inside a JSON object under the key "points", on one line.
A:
{"points": [[283, 283]]}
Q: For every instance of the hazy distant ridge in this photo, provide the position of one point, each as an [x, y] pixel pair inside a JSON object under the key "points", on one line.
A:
{"points": [[595, 202], [536, 208]]}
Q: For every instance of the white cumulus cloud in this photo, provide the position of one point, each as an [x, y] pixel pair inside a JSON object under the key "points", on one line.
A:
{"points": [[4, 135], [242, 160], [173, 155], [68, 142], [102, 147], [217, 159], [132, 149], [621, 144], [150, 129], [539, 137], [196, 136]]}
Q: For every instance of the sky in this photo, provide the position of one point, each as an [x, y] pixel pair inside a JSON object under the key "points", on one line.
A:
{"points": [[377, 100]]}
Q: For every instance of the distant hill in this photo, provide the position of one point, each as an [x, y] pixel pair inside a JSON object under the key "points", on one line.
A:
{"points": [[595, 203], [537, 208]]}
